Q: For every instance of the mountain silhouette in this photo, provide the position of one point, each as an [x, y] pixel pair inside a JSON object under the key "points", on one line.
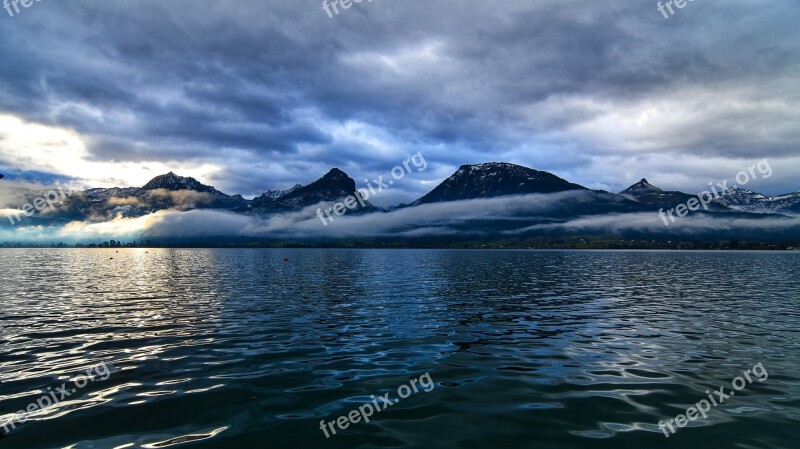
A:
{"points": [[495, 179]]}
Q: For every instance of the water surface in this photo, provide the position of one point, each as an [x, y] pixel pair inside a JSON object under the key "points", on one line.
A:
{"points": [[527, 349]]}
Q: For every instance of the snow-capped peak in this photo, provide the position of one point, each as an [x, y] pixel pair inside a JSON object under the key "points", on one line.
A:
{"points": [[641, 187]]}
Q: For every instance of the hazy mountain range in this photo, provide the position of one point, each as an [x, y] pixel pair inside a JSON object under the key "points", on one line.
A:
{"points": [[485, 200]]}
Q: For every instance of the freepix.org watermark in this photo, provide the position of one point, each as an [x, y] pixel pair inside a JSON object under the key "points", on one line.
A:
{"points": [[663, 7], [53, 397], [374, 187], [715, 398], [334, 5], [705, 198], [8, 5], [48, 201], [379, 404]]}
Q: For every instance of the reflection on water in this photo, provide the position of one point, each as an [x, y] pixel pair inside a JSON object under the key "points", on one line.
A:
{"points": [[235, 348]]}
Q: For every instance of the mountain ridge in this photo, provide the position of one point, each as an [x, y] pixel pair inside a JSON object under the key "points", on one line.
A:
{"points": [[494, 179], [470, 182], [645, 193], [641, 187], [749, 201]]}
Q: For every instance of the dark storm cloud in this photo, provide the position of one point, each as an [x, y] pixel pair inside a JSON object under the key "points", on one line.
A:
{"points": [[276, 92]]}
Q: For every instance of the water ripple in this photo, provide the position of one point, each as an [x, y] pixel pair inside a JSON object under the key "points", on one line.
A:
{"points": [[546, 349]]}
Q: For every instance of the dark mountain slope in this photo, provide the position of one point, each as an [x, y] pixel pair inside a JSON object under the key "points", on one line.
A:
{"points": [[493, 180]]}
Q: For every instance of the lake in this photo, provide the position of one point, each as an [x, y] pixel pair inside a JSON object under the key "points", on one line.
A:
{"points": [[229, 348]]}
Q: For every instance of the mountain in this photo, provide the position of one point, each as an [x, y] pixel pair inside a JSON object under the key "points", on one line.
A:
{"points": [[786, 203], [641, 188], [165, 192], [749, 201], [214, 199], [114, 192], [495, 179], [744, 199], [519, 213], [334, 186], [268, 198], [645, 193], [174, 183], [168, 191], [275, 194]]}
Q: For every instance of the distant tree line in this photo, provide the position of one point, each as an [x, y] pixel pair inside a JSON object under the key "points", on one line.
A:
{"points": [[580, 242]]}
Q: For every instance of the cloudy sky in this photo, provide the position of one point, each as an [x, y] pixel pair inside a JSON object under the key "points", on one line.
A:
{"points": [[251, 95]]}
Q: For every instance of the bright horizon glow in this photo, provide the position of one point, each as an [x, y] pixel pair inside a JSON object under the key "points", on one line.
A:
{"points": [[29, 146]]}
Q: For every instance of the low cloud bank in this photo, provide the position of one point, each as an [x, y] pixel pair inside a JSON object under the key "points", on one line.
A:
{"points": [[520, 215]]}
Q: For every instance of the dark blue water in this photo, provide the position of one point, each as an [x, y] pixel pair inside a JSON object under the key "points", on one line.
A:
{"points": [[525, 349]]}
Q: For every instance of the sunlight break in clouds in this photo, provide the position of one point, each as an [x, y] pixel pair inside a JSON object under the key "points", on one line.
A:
{"points": [[28, 146]]}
